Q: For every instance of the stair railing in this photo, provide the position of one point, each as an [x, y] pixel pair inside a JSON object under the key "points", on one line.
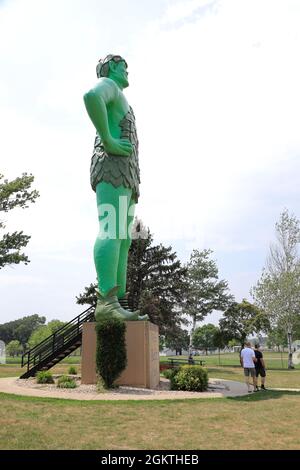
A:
{"points": [[57, 340]]}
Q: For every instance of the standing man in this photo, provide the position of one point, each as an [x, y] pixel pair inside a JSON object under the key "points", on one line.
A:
{"points": [[260, 367], [115, 177], [248, 360]]}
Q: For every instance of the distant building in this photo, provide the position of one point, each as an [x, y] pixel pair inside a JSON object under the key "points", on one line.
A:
{"points": [[296, 345]]}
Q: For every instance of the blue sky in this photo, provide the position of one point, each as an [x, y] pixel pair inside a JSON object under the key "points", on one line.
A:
{"points": [[215, 89]]}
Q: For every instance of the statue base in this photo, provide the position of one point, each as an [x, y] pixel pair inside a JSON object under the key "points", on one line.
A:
{"points": [[142, 344]]}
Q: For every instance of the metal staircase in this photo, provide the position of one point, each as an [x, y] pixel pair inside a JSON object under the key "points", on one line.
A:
{"points": [[57, 346]]}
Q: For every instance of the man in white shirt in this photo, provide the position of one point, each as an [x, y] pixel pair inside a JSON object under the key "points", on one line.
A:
{"points": [[248, 360]]}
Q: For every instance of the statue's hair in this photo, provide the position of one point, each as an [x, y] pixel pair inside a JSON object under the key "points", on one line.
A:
{"points": [[102, 69]]}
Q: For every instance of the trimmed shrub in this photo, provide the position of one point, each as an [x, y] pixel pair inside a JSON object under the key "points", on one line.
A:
{"points": [[44, 377], [171, 374], [66, 382], [190, 378], [168, 373], [72, 370], [111, 358]]}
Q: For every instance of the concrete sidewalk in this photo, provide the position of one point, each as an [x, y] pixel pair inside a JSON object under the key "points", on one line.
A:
{"points": [[218, 388]]}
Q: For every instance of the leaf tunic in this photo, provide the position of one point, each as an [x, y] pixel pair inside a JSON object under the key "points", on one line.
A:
{"points": [[117, 169]]}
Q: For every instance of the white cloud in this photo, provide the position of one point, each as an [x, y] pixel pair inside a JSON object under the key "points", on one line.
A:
{"points": [[220, 101]]}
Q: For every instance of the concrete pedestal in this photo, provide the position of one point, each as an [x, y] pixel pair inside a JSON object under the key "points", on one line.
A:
{"points": [[142, 345]]}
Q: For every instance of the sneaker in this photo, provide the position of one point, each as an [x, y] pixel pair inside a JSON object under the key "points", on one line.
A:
{"points": [[263, 387]]}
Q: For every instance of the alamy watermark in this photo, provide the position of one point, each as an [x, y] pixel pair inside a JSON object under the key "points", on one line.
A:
{"points": [[118, 222]]}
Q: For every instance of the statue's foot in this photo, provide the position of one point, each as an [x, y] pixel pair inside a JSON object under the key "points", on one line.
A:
{"points": [[143, 317], [124, 304], [108, 306]]}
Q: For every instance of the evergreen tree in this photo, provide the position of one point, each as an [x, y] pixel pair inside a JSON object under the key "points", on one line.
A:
{"points": [[155, 281], [89, 295]]}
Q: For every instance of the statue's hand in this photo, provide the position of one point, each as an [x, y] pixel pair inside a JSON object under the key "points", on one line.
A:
{"points": [[118, 147]]}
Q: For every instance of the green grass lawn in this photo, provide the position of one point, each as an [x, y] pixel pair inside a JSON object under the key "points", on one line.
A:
{"points": [[275, 378], [221, 423], [14, 370], [67, 360], [224, 423], [230, 368], [273, 360]]}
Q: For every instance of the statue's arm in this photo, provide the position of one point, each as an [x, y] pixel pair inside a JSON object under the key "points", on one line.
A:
{"points": [[96, 101]]}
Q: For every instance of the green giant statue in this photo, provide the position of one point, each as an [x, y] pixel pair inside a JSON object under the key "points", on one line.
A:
{"points": [[115, 178]]}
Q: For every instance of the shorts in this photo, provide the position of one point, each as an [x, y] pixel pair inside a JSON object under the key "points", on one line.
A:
{"points": [[249, 371], [260, 371]]}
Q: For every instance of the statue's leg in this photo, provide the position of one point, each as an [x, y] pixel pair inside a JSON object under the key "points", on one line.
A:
{"points": [[123, 261], [112, 203], [113, 206], [124, 249]]}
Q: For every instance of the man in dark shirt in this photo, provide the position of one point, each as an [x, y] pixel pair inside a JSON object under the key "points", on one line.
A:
{"points": [[260, 367]]}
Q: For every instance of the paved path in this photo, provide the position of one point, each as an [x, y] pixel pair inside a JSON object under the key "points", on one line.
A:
{"points": [[218, 388]]}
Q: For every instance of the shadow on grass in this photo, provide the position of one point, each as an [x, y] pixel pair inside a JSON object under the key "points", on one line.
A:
{"points": [[267, 395]]}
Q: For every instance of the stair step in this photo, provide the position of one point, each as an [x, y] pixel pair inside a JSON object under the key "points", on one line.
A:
{"points": [[58, 341]]}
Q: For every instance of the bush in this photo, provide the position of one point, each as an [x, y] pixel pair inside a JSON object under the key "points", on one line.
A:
{"points": [[72, 370], [111, 358], [66, 382], [44, 377], [168, 373], [190, 378], [171, 374]]}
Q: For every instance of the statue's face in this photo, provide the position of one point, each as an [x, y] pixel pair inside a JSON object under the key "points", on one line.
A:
{"points": [[120, 71]]}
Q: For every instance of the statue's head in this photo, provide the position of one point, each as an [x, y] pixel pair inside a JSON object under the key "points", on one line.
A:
{"points": [[114, 67]]}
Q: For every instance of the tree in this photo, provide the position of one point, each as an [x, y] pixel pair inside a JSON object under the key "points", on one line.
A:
{"points": [[278, 290], [89, 296], [20, 329], [14, 348], [277, 338], [204, 337], [161, 343], [233, 342], [177, 339], [13, 194], [205, 292], [241, 320], [44, 332], [219, 341], [155, 281]]}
